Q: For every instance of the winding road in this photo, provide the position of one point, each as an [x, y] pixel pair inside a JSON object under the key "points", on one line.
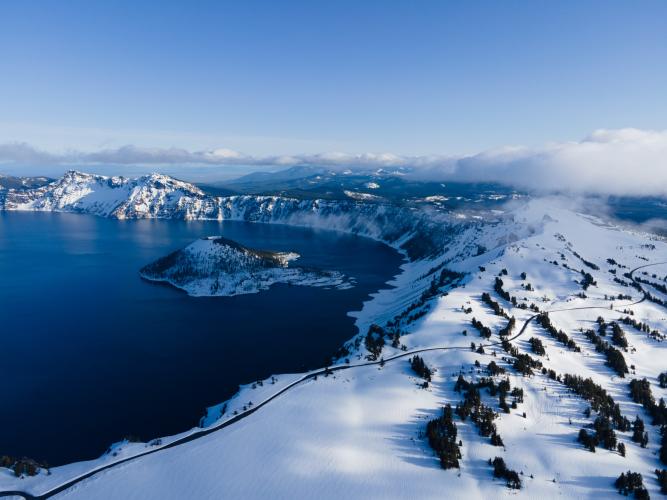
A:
{"points": [[216, 427]]}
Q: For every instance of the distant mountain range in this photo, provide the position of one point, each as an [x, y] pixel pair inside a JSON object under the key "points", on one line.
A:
{"points": [[11, 182], [336, 183]]}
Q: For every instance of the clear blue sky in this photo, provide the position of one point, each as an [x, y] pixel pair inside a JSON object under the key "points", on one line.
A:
{"points": [[415, 77]]}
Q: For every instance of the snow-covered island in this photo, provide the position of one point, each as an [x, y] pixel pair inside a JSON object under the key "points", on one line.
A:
{"points": [[217, 266]]}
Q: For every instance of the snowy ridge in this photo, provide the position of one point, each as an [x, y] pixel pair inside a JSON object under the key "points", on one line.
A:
{"points": [[153, 195], [419, 233], [216, 266]]}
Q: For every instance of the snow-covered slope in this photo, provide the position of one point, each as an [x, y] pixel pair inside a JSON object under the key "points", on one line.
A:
{"points": [[152, 195], [216, 266], [359, 431]]}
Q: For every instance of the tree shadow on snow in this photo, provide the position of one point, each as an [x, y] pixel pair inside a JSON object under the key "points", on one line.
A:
{"points": [[409, 441]]}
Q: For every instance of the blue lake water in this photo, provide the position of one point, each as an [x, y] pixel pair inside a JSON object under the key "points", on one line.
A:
{"points": [[91, 353]]}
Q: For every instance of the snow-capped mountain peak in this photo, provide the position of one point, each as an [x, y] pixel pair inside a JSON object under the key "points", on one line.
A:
{"points": [[153, 195]]}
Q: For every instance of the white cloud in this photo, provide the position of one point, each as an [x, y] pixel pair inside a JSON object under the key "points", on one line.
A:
{"points": [[624, 161], [223, 153], [24, 154]]}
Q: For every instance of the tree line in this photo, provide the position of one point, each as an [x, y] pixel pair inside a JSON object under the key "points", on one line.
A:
{"points": [[441, 433], [615, 359], [640, 392], [545, 322], [419, 367]]}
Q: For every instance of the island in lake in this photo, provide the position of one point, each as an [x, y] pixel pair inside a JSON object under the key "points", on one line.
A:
{"points": [[217, 266]]}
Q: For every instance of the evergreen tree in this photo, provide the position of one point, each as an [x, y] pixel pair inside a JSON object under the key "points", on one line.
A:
{"points": [[631, 483], [587, 440], [501, 471], [374, 341], [537, 346], [638, 431], [604, 432], [662, 480], [419, 367], [441, 433], [618, 336]]}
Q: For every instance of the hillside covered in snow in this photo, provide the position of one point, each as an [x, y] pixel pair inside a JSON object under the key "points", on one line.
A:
{"points": [[521, 355], [217, 266]]}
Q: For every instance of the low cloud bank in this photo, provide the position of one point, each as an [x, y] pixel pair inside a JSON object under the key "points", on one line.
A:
{"points": [[621, 162]]}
